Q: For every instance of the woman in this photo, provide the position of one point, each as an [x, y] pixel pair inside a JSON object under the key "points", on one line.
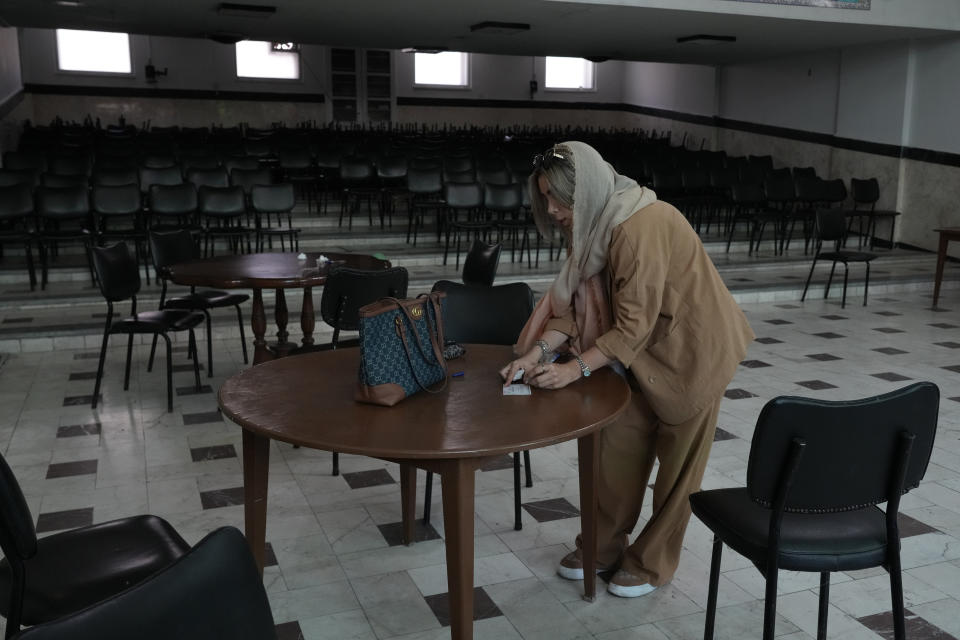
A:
{"points": [[638, 293]]}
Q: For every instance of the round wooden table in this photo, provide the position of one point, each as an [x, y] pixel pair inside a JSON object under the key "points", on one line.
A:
{"points": [[258, 271], [308, 401]]}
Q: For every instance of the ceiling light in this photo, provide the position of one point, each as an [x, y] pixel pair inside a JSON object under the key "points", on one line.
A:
{"points": [[423, 49], [703, 39], [500, 28], [237, 10], [69, 3]]}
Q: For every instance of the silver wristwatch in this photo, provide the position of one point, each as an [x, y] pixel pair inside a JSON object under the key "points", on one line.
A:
{"points": [[584, 369]]}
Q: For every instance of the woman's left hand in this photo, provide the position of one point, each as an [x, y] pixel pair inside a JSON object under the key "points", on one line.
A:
{"points": [[554, 375]]}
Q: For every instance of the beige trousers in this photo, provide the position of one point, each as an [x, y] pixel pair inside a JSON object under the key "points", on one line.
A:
{"points": [[628, 449]]}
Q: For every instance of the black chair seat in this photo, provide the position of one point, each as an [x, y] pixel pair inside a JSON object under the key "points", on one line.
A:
{"points": [[847, 256], [206, 299], [75, 569], [159, 321], [842, 541]]}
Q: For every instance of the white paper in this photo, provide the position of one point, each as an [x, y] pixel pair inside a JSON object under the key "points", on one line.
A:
{"points": [[516, 390]]}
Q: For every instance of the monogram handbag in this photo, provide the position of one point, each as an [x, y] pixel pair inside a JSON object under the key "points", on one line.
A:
{"points": [[401, 349]]}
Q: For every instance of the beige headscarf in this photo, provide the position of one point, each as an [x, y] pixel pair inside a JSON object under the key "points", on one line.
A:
{"points": [[602, 199]]}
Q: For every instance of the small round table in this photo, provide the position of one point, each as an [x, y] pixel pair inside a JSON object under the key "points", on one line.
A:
{"points": [[946, 235], [308, 400], [278, 271]]}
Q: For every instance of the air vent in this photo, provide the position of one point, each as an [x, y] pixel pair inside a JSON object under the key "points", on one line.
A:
{"points": [[237, 10]]}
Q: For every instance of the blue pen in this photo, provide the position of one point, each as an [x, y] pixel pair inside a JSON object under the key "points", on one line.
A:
{"points": [[458, 374]]}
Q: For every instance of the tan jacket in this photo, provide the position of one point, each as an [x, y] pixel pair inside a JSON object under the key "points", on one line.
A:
{"points": [[675, 324]]}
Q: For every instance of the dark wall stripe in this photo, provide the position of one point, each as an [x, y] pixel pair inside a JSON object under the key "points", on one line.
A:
{"points": [[850, 144], [11, 103], [191, 94]]}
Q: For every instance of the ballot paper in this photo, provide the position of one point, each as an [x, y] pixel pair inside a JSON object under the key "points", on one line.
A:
{"points": [[517, 389]]}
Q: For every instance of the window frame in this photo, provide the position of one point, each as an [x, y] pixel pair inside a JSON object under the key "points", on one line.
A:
{"points": [[466, 62], [83, 72], [239, 78], [593, 72]]}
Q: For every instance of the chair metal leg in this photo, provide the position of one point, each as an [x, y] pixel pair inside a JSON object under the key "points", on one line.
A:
{"points": [[209, 346], [528, 470], [196, 362], [96, 385], [809, 276], [243, 337], [517, 524], [826, 290], [846, 276], [126, 373], [427, 497], [824, 605], [166, 339], [18, 586], [336, 464], [714, 586], [153, 350], [770, 604], [866, 284]]}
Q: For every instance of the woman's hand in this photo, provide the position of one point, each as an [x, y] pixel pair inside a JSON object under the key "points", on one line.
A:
{"points": [[527, 363], [552, 376]]}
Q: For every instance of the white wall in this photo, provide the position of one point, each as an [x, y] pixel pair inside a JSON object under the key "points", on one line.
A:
{"points": [[872, 93], [10, 82], [191, 63], [936, 96], [686, 88], [798, 92]]}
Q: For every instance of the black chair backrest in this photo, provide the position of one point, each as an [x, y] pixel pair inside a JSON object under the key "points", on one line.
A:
{"points": [[63, 202], [485, 315], [779, 188], [118, 275], [116, 177], [495, 176], [242, 162], [9, 177], [808, 172], [392, 167], [502, 197], [18, 537], [747, 194], [850, 450], [295, 158], [213, 591], [16, 201], [221, 200], [480, 265], [170, 247], [272, 198], [216, 177], [356, 169], [122, 200], [457, 164], [60, 180], [158, 161], [810, 189], [834, 191], [249, 178], [424, 181], [17, 160], [71, 165], [865, 191], [167, 176], [346, 290], [831, 226], [466, 195], [173, 199]]}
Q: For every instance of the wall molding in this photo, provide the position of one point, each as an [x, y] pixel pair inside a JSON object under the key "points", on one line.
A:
{"points": [[157, 92], [812, 137]]}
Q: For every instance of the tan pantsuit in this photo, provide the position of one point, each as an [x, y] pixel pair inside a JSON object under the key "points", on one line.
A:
{"points": [[627, 453]]}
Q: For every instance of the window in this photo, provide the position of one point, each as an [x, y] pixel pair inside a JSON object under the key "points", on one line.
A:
{"points": [[569, 73], [448, 68], [257, 59], [95, 51]]}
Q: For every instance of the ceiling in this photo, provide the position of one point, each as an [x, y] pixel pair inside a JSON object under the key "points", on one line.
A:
{"points": [[587, 29]]}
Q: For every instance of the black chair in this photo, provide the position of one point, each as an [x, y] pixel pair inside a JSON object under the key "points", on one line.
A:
{"points": [[212, 591], [865, 194], [297, 168], [172, 206], [63, 216], [119, 279], [817, 471], [344, 292], [504, 203], [480, 265], [214, 177], [424, 187], [51, 577], [118, 215], [277, 201], [221, 211], [485, 315], [358, 179], [172, 247], [16, 222], [463, 204], [831, 228]]}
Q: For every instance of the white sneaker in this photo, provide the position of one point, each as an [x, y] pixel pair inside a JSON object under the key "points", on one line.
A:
{"points": [[571, 567], [626, 585]]}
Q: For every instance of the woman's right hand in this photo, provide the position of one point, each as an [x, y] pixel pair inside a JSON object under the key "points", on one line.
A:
{"points": [[527, 363]]}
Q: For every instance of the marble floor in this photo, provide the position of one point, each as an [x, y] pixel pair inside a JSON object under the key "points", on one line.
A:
{"points": [[337, 569]]}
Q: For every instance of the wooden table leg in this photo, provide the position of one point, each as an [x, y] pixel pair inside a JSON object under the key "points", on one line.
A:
{"points": [[941, 260], [408, 501], [281, 315], [458, 486], [588, 453], [307, 318], [256, 461], [258, 319]]}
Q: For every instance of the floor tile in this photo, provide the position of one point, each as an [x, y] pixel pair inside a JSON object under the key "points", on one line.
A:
{"points": [[483, 606], [221, 498], [69, 519], [372, 478], [553, 509]]}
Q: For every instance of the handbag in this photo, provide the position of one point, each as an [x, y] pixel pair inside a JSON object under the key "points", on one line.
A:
{"points": [[401, 349]]}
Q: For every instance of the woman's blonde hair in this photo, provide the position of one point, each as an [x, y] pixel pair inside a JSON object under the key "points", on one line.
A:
{"points": [[556, 165]]}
